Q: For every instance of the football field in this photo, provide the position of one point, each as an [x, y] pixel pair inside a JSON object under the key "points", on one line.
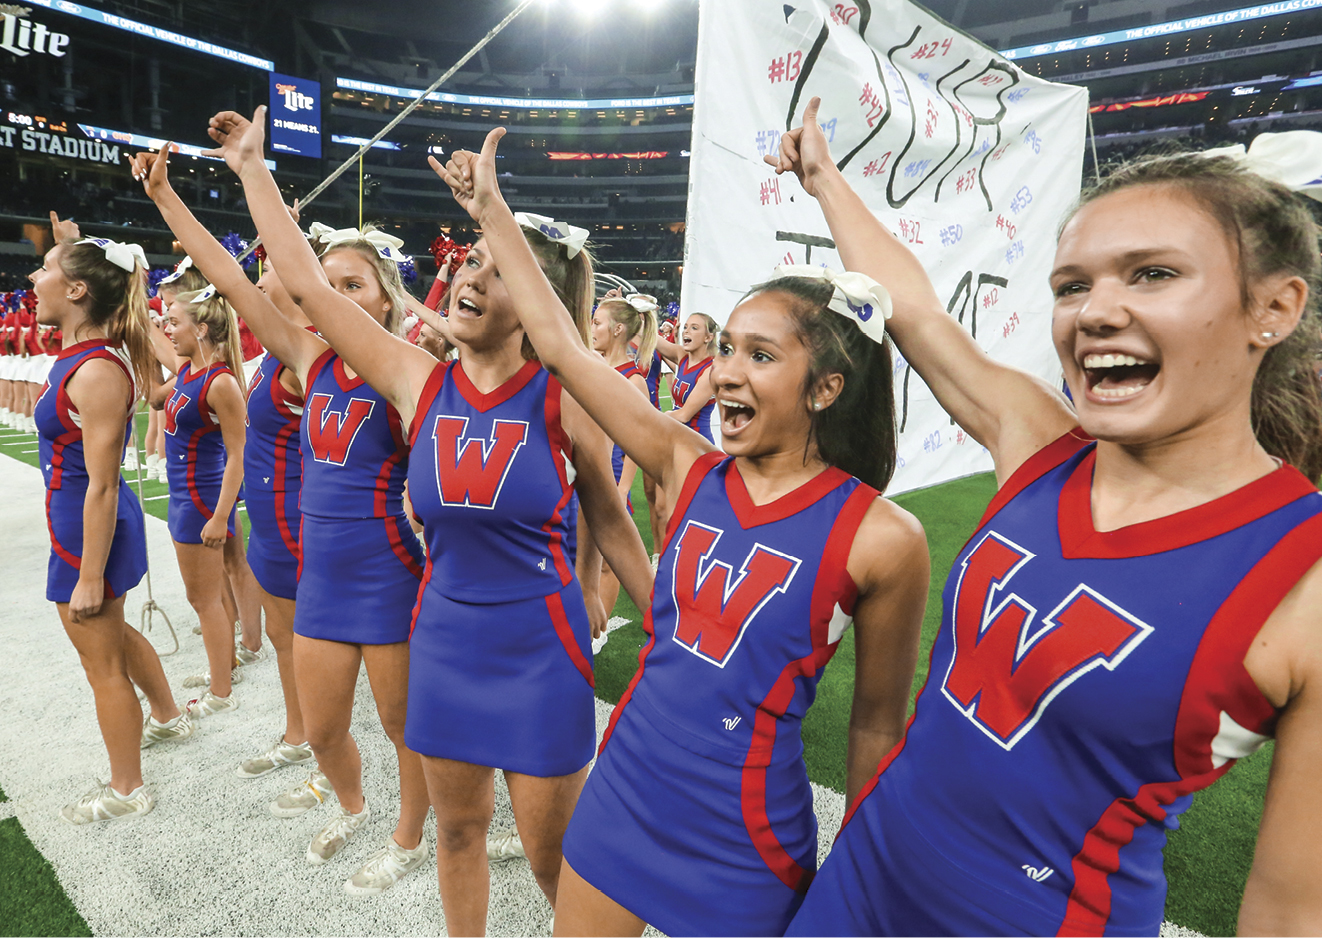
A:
{"points": [[54, 879]]}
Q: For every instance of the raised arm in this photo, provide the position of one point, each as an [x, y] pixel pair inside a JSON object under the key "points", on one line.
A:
{"points": [[295, 348], [1012, 413], [669, 350], [396, 369], [663, 448]]}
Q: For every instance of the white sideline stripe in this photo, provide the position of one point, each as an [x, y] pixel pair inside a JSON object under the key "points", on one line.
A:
{"points": [[123, 877]]}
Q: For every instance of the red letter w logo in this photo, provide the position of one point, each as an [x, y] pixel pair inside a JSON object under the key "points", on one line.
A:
{"points": [[1003, 675], [712, 613], [172, 407], [331, 432], [471, 475]]}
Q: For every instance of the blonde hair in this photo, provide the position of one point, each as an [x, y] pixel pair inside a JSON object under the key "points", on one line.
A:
{"points": [[222, 324], [712, 329], [636, 322], [387, 276], [117, 303], [571, 278], [190, 281]]}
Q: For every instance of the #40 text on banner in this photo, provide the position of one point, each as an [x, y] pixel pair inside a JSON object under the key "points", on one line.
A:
{"points": [[967, 159]]}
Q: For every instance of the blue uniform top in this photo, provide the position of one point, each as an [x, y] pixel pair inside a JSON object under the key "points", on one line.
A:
{"points": [[273, 457], [686, 378], [1082, 686], [355, 458], [653, 378], [59, 426], [194, 448], [749, 606], [490, 477]]}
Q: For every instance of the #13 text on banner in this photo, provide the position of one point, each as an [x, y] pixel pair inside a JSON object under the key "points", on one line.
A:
{"points": [[966, 158]]}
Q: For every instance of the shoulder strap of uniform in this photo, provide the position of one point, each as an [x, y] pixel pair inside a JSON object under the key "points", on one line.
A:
{"points": [[429, 391], [1035, 467]]}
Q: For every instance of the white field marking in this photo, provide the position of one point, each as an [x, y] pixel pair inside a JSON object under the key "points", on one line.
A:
{"points": [[123, 876]]}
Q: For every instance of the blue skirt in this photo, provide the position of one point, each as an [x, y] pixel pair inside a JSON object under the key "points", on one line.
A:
{"points": [[125, 566], [506, 685], [273, 526], [358, 581], [669, 834], [186, 518]]}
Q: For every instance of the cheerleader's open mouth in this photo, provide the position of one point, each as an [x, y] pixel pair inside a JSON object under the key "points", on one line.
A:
{"points": [[735, 415], [1117, 376], [468, 307]]}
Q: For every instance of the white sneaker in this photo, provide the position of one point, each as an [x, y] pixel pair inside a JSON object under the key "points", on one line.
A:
{"points": [[103, 803], [131, 459], [656, 559], [303, 797], [204, 679], [209, 705], [505, 846], [246, 655], [181, 727], [282, 753], [338, 831], [386, 867]]}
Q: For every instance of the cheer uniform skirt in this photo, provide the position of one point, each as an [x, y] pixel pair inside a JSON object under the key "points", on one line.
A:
{"points": [[358, 581], [186, 518], [273, 526], [125, 566], [506, 685], [661, 829]]}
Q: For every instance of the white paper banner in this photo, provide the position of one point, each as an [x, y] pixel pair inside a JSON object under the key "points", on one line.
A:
{"points": [[969, 160]]}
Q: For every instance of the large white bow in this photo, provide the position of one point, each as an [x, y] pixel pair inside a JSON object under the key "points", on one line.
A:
{"points": [[124, 256], [643, 302], [1292, 158], [857, 296], [387, 245], [558, 231], [184, 264]]}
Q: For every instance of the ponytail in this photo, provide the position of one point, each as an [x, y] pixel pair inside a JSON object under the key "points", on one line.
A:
{"points": [[117, 304], [222, 324], [637, 320], [572, 280]]}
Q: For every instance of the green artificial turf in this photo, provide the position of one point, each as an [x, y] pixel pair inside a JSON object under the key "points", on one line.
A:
{"points": [[1207, 860]]}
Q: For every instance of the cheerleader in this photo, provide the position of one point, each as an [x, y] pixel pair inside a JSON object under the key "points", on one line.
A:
{"points": [[692, 392], [272, 458], [616, 324], [92, 290], [1141, 605], [8, 360], [204, 437], [698, 814], [499, 673]]}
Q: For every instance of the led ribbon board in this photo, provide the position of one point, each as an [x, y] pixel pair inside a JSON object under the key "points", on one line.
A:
{"points": [[549, 104], [149, 143], [295, 115]]}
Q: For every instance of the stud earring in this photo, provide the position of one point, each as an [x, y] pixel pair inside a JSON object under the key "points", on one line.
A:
{"points": [[1270, 335]]}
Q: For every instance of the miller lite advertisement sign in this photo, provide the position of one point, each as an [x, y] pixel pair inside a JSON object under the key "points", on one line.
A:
{"points": [[295, 115]]}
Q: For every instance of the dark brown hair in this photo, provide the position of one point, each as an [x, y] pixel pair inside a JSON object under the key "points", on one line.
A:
{"points": [[116, 303], [1272, 233], [857, 432]]}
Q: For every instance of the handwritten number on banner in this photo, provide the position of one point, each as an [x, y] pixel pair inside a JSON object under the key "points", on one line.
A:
{"points": [[785, 68]]}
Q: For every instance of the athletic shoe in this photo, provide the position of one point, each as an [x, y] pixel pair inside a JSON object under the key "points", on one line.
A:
{"points": [[505, 846], [303, 797], [181, 727], [656, 559], [246, 655], [337, 832], [204, 679], [103, 803], [386, 867], [131, 459], [282, 753], [209, 705]]}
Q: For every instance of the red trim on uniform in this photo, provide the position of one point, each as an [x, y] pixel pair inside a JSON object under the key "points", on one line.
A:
{"points": [[60, 550], [697, 472], [1034, 468], [560, 444], [650, 631], [484, 402], [791, 503], [629, 369], [314, 370], [1217, 683], [422, 588], [556, 607], [282, 523], [435, 381], [208, 375], [396, 538], [80, 347], [1078, 537], [835, 558], [342, 377], [299, 575]]}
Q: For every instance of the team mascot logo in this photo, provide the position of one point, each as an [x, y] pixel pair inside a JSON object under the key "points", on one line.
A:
{"points": [[331, 432], [172, 408], [471, 472]]}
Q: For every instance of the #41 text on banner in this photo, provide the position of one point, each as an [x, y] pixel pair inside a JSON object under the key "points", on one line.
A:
{"points": [[967, 159]]}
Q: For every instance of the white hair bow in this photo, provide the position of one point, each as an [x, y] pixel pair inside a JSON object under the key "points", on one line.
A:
{"points": [[204, 294], [857, 296], [124, 256], [558, 231], [642, 302], [387, 245], [1292, 158], [184, 264]]}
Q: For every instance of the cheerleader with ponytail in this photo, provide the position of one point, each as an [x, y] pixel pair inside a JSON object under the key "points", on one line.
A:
{"points": [[93, 290]]}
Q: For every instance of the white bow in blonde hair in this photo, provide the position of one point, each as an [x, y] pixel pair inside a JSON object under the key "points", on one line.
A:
{"points": [[179, 270], [1292, 158], [643, 302], [857, 296], [124, 256], [387, 245], [558, 231]]}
